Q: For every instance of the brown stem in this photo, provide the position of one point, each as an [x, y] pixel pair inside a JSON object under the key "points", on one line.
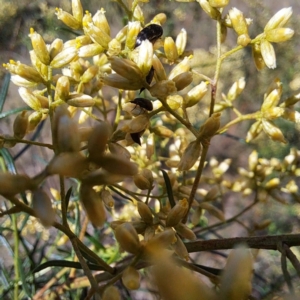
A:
{"points": [[255, 242]]}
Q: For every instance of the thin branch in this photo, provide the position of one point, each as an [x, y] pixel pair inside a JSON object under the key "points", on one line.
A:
{"points": [[255, 242]]}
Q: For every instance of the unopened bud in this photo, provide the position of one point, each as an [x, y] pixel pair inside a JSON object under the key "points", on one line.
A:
{"points": [[131, 278], [12, 184], [144, 60], [257, 56], [210, 127], [100, 21], [30, 99], [141, 182], [107, 198], [132, 32], [21, 125], [195, 94], [268, 54], [111, 293], [39, 47], [279, 35], [177, 213], [181, 41], [41, 203], [68, 19], [98, 140], [128, 238], [93, 205], [218, 3], [183, 66], [56, 47], [64, 57], [238, 21], [190, 155], [145, 212], [185, 232], [90, 50], [62, 88], [170, 49], [279, 19], [211, 11], [183, 80], [180, 249]]}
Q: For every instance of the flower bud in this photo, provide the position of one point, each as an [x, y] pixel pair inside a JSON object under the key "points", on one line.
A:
{"points": [[195, 94], [92, 205], [20, 81], [114, 47], [162, 131], [185, 232], [159, 69], [68, 19], [121, 35], [238, 21], [90, 50], [170, 49], [56, 47], [30, 99], [257, 56], [64, 57], [218, 3], [210, 127], [254, 131], [138, 124], [100, 21], [77, 10], [177, 213], [131, 278], [145, 56], [243, 40], [107, 198], [68, 164], [183, 66], [126, 68], [190, 155], [211, 11], [39, 47], [12, 184], [237, 274], [279, 19], [141, 182], [174, 101], [111, 293], [119, 150], [21, 124], [116, 165], [145, 212], [127, 238], [163, 89], [132, 32], [67, 134], [183, 80], [236, 89], [98, 140], [268, 54], [33, 120], [119, 82], [273, 131], [181, 41], [279, 35], [272, 99], [180, 249], [89, 74], [41, 203], [62, 88], [24, 71]]}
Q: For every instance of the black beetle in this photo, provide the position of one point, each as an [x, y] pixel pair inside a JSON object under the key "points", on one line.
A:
{"points": [[151, 33], [143, 103]]}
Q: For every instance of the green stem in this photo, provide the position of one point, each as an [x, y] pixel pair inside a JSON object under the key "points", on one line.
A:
{"points": [[16, 257]]}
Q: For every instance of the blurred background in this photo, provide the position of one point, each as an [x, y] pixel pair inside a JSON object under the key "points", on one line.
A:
{"points": [[17, 17]]}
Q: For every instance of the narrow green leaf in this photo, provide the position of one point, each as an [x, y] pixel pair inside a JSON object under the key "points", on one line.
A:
{"points": [[4, 90], [169, 188], [13, 111]]}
